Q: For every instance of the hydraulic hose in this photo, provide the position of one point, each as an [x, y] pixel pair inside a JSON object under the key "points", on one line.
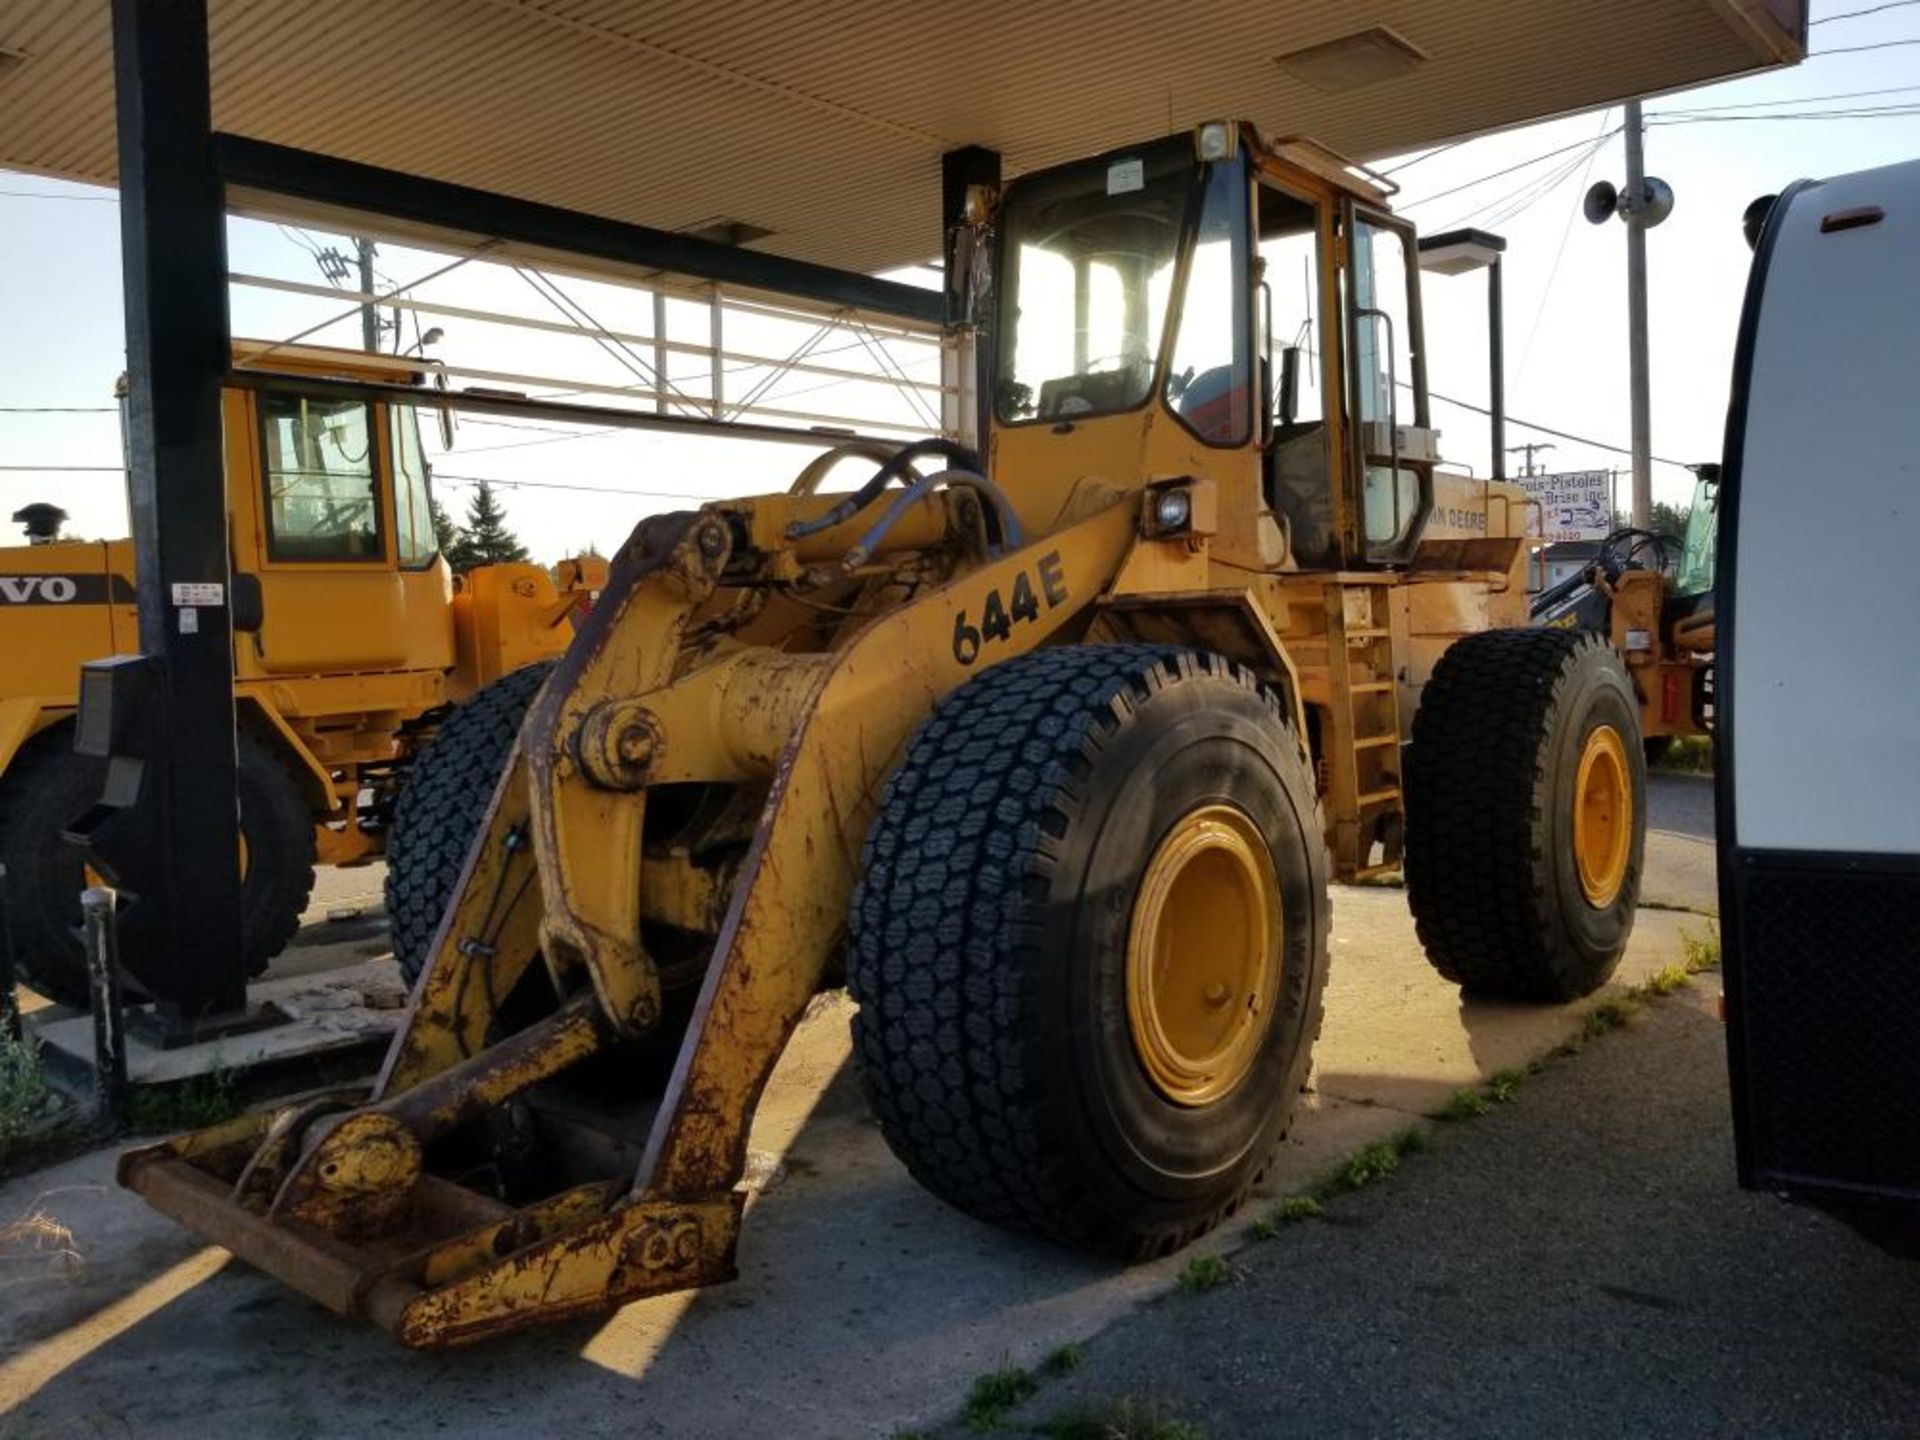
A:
{"points": [[1006, 524], [891, 469]]}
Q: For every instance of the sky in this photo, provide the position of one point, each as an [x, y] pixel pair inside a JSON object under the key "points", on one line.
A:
{"points": [[565, 488]]}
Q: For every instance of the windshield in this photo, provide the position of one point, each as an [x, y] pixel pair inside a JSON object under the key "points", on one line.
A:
{"points": [[1088, 268], [1697, 551]]}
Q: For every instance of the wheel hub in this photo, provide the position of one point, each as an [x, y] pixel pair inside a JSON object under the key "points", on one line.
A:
{"points": [[1203, 955], [1602, 816]]}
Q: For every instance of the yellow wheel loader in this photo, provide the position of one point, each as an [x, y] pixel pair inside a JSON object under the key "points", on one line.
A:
{"points": [[1051, 751], [1651, 596], [350, 640]]}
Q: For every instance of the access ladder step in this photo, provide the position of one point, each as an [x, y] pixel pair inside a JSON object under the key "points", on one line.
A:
{"points": [[1379, 797], [1372, 687], [1374, 742]]}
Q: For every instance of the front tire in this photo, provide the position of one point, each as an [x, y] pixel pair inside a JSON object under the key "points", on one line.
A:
{"points": [[1089, 942], [1526, 814], [443, 805], [48, 786]]}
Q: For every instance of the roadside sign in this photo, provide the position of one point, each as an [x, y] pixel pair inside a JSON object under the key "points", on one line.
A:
{"points": [[1577, 505]]}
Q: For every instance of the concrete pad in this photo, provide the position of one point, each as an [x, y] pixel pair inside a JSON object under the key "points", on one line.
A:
{"points": [[338, 1008], [864, 1305]]}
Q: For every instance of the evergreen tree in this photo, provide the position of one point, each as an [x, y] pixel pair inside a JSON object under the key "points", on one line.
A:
{"points": [[485, 540], [446, 535]]}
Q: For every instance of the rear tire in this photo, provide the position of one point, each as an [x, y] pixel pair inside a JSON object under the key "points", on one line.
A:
{"points": [[49, 786], [997, 958], [443, 804], [1513, 728]]}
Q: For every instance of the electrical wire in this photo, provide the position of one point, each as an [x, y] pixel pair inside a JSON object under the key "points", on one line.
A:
{"points": [[496, 482], [1497, 174], [57, 410], [1861, 49], [1559, 253], [1887, 112], [44, 195], [1794, 100], [1437, 150], [1870, 10], [1513, 419]]}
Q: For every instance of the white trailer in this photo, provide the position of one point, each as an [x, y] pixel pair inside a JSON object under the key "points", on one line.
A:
{"points": [[1818, 697]]}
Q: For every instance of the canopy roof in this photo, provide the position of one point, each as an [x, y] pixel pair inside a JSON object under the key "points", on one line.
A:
{"points": [[814, 128]]}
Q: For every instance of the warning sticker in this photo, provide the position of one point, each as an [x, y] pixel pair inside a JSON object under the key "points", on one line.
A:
{"points": [[199, 592], [1125, 175]]}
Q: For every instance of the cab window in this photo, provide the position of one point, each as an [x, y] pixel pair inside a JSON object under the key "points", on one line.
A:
{"points": [[321, 491], [1208, 381], [412, 505]]}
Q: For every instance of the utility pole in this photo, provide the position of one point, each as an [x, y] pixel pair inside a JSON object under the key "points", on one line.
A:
{"points": [[1527, 468], [369, 315], [1638, 383]]}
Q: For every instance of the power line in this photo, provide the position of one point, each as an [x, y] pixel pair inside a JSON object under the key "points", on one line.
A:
{"points": [[1870, 10], [1859, 49], [1884, 112], [1497, 174], [1566, 231], [57, 410], [1794, 100], [46, 195], [490, 480], [1550, 430], [65, 469], [1438, 150]]}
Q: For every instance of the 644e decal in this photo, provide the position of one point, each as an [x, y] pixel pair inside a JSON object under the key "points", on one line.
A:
{"points": [[1044, 586]]}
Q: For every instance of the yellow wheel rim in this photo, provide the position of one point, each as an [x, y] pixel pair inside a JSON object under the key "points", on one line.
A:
{"points": [[1203, 956], [1603, 816]]}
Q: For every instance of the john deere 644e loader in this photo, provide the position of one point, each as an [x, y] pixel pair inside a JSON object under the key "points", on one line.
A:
{"points": [[1051, 750]]}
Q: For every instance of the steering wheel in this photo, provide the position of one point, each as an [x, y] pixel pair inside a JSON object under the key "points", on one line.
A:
{"points": [[807, 482]]}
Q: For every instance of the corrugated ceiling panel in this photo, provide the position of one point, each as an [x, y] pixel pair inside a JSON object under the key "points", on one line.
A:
{"points": [[823, 120]]}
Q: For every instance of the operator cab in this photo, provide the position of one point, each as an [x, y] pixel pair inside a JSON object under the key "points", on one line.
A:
{"points": [[1259, 298]]}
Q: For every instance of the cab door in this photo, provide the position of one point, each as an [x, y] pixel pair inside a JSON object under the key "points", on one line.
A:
{"points": [[331, 597], [1391, 446]]}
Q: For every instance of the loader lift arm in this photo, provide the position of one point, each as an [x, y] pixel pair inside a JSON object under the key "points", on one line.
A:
{"points": [[304, 1192]]}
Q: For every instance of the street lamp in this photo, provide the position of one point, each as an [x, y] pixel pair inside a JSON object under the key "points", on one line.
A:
{"points": [[1456, 253]]}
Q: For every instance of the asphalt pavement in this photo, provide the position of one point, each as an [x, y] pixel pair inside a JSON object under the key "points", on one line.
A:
{"points": [[1575, 1263]]}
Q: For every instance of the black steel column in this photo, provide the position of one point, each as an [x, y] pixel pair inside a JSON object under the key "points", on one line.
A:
{"points": [[173, 247], [1497, 367]]}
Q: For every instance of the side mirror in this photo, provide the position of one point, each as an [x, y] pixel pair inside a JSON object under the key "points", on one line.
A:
{"points": [[1289, 399]]}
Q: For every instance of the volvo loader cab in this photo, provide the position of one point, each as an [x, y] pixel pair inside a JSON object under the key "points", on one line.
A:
{"points": [[349, 639], [1055, 749]]}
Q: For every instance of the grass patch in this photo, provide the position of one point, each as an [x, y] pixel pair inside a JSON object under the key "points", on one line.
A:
{"points": [[1692, 754], [185, 1105], [1700, 952], [1503, 1086], [1378, 1161], [1120, 1420], [1664, 982], [1064, 1360], [1466, 1103], [1612, 1013], [995, 1393], [1292, 1210], [24, 1092], [1204, 1273]]}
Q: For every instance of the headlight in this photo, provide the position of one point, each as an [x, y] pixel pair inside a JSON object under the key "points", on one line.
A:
{"points": [[1173, 509]]}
